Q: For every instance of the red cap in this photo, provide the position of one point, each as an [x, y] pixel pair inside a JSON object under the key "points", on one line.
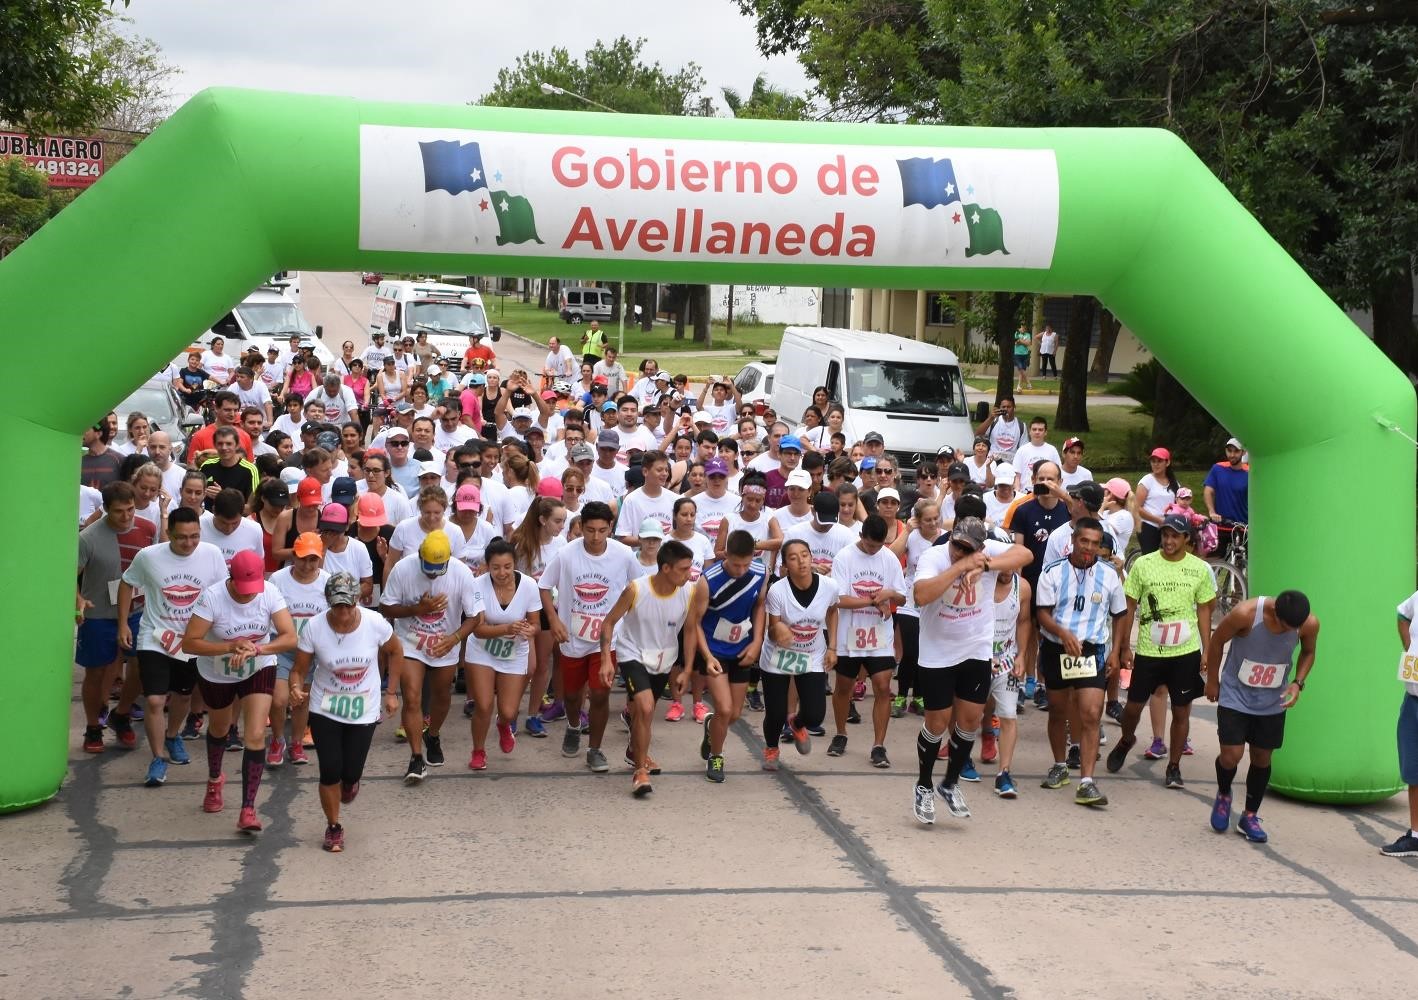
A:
{"points": [[308, 493], [246, 572], [600, 380], [550, 486], [1162, 453]]}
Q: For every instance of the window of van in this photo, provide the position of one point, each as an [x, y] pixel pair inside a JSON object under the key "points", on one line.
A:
{"points": [[606, 299], [573, 298], [905, 387]]}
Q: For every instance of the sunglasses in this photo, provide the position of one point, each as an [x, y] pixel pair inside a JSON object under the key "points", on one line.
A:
{"points": [[398, 444], [464, 466]]}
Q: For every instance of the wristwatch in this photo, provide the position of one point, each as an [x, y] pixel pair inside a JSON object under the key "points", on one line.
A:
{"points": [[1300, 684]]}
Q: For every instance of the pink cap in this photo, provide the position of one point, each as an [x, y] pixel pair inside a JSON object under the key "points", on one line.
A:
{"points": [[1118, 487], [370, 509], [468, 497], [1162, 453], [246, 572], [550, 486]]}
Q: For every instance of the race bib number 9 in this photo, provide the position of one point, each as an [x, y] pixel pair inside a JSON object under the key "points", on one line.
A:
{"points": [[1168, 634], [171, 642], [586, 627], [789, 662], [500, 647], [727, 631], [1264, 675], [343, 706], [1408, 668], [1074, 668]]}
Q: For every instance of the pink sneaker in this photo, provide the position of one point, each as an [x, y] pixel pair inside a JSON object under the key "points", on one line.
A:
{"points": [[212, 801], [478, 761], [247, 822], [506, 739], [701, 712], [859, 691], [297, 754], [675, 712], [348, 793], [276, 752]]}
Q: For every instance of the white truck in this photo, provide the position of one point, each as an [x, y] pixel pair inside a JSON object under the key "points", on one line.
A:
{"points": [[269, 315], [449, 314]]}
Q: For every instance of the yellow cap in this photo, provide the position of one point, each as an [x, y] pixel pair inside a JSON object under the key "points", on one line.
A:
{"points": [[435, 550]]}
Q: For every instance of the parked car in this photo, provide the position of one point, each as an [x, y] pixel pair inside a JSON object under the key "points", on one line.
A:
{"points": [[755, 382], [583, 303], [157, 400], [370, 278]]}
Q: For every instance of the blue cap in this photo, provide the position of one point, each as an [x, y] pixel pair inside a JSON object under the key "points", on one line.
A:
{"points": [[608, 406], [477, 378], [867, 463], [790, 441]]}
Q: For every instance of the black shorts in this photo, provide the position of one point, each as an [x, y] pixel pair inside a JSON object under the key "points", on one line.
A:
{"points": [[968, 680], [852, 666], [638, 679], [733, 670], [1051, 668], [1181, 674], [546, 623], [1235, 728], [218, 694], [161, 673]]}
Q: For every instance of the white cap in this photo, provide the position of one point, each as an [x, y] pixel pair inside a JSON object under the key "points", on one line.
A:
{"points": [[396, 432], [1234, 443], [524, 411], [799, 477], [651, 528], [702, 417], [888, 494], [434, 370], [1004, 473], [430, 469]]}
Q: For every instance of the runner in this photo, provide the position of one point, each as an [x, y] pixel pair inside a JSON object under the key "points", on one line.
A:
{"points": [[953, 584], [302, 584], [802, 612], [870, 581], [729, 602], [1177, 595], [1406, 846], [508, 617], [432, 603], [170, 577], [536, 540], [340, 651], [1255, 690], [1014, 632], [654, 631], [1080, 602], [230, 634], [924, 530]]}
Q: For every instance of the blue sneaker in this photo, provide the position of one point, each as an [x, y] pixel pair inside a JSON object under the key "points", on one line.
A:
{"points": [[157, 773], [176, 750], [536, 728], [1249, 827], [135, 712], [1221, 813], [1029, 685], [968, 772], [1004, 786]]}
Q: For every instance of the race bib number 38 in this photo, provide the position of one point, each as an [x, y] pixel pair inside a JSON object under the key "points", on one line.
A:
{"points": [[1262, 675]]}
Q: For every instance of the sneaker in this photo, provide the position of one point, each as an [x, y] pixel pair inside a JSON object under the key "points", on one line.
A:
{"points": [[859, 691], [640, 784], [618, 682], [276, 752], [212, 801], [625, 719], [1250, 828], [432, 749], [853, 716], [989, 747], [1102, 739], [770, 758], [1118, 756], [585, 724], [233, 741], [103, 717], [157, 773], [176, 751], [1056, 778], [924, 805], [571, 742], [754, 701], [1114, 711], [1075, 757], [1041, 699], [802, 738], [1405, 846], [816, 731], [553, 712], [536, 728], [786, 736], [469, 707], [308, 740], [968, 772], [650, 763], [135, 712], [506, 740], [348, 793], [837, 747], [1221, 813], [400, 736], [334, 839], [297, 755], [1031, 684], [1021, 702], [1004, 786], [954, 800], [1174, 776], [192, 728], [701, 711], [878, 758], [596, 760], [898, 707], [93, 739], [1157, 750], [246, 820], [417, 771], [1187, 749], [714, 769], [478, 761], [1089, 795], [918, 706], [123, 729], [704, 740], [675, 712]]}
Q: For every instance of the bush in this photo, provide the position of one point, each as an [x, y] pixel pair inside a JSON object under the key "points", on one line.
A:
{"points": [[1141, 384]]}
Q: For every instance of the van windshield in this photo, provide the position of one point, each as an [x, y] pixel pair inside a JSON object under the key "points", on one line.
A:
{"points": [[446, 317], [270, 319], [905, 387]]}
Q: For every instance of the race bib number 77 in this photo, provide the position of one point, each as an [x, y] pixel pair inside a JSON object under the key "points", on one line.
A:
{"points": [[1166, 634]]}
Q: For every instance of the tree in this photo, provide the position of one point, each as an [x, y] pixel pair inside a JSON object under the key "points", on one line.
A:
{"points": [[613, 75], [26, 201], [766, 101], [135, 66], [50, 80]]}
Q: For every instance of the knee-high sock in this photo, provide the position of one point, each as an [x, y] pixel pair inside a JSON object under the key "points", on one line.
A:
{"points": [[961, 743], [216, 752], [253, 765], [1257, 781], [927, 746], [1224, 777]]}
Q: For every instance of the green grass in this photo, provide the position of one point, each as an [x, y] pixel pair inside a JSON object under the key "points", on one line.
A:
{"points": [[1116, 444], [542, 324], [1047, 385]]}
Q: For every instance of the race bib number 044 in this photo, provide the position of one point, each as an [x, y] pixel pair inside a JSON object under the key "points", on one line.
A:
{"points": [[1073, 668]]}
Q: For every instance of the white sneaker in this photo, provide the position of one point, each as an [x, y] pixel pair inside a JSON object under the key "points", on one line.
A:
{"points": [[954, 801], [924, 805]]}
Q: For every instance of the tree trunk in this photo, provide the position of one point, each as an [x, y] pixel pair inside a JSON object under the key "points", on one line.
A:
{"points": [[1006, 314], [1181, 424], [678, 296], [1108, 329], [699, 298], [647, 306], [1393, 319], [1072, 414], [616, 302], [542, 293]]}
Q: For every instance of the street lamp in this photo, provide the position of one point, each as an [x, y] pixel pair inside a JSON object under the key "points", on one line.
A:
{"points": [[551, 88]]}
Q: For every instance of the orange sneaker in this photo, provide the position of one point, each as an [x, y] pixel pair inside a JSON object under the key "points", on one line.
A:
{"points": [[640, 784], [770, 758]]}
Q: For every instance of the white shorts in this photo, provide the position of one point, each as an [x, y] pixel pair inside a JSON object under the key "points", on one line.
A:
{"points": [[1004, 687]]}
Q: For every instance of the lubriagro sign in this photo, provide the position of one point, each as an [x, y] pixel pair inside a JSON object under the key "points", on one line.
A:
{"points": [[67, 162]]}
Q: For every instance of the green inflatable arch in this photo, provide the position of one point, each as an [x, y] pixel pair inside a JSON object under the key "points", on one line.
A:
{"points": [[239, 184]]}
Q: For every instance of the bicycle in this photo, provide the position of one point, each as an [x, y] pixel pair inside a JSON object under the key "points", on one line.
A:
{"points": [[1232, 584]]}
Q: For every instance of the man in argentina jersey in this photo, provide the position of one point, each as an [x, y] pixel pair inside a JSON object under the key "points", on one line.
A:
{"points": [[1081, 606], [728, 600]]}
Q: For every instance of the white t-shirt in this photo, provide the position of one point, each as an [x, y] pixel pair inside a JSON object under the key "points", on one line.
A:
{"points": [[806, 623], [995, 508], [649, 634], [409, 535], [561, 363], [303, 600], [470, 551], [642, 437], [917, 545], [613, 478], [824, 544], [709, 511], [171, 585], [723, 415], [510, 507], [599, 489], [758, 529], [1159, 495], [1078, 475], [1048, 343], [1027, 454], [637, 506], [505, 654], [787, 519], [978, 472], [417, 633], [765, 463], [1407, 610], [1005, 436], [586, 589], [91, 501], [338, 408], [446, 440], [344, 672], [289, 425], [864, 631], [219, 366], [246, 536], [233, 621], [273, 373], [959, 624], [703, 550], [1120, 525], [258, 395], [354, 561]]}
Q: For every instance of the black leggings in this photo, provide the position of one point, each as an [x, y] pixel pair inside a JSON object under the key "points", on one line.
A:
{"points": [[342, 748], [812, 702], [1149, 537], [909, 628]]}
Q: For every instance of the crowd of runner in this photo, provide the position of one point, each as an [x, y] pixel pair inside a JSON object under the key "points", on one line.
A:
{"points": [[362, 543]]}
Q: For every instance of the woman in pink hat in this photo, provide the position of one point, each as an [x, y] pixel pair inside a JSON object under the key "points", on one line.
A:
{"points": [[1156, 491]]}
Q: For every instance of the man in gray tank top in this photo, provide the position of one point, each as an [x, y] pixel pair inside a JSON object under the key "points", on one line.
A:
{"points": [[1254, 688]]}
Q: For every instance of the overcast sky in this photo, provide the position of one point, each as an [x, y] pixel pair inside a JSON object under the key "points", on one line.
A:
{"points": [[437, 51]]}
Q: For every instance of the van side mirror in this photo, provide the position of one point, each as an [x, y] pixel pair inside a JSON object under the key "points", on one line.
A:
{"points": [[190, 423], [496, 333], [319, 331], [393, 327], [982, 410]]}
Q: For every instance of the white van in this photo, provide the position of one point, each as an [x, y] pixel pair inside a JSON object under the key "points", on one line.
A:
{"points": [[266, 317], [449, 314], [910, 393]]}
